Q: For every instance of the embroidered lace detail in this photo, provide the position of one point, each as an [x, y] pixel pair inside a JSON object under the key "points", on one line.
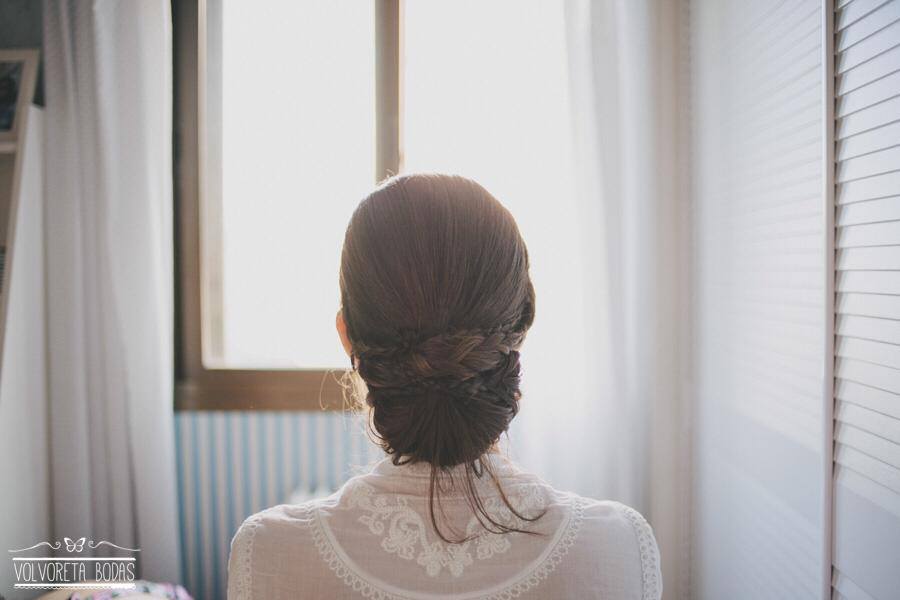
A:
{"points": [[406, 532], [651, 578], [514, 589], [242, 551]]}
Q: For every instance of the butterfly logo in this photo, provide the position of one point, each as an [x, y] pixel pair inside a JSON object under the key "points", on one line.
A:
{"points": [[74, 546]]}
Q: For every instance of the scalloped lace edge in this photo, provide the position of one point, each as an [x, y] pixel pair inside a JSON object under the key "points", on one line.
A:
{"points": [[526, 582], [651, 579], [243, 552]]}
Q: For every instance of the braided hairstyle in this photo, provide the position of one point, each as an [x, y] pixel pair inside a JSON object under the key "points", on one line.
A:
{"points": [[437, 299]]}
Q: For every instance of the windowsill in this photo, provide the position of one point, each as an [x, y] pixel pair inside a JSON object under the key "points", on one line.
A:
{"points": [[296, 390]]}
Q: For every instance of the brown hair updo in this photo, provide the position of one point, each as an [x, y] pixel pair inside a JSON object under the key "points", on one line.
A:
{"points": [[437, 299]]}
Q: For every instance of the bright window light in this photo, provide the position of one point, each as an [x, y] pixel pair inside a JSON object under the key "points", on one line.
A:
{"points": [[298, 144], [485, 95]]}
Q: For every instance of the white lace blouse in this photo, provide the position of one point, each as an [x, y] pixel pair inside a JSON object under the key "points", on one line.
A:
{"points": [[373, 538]]}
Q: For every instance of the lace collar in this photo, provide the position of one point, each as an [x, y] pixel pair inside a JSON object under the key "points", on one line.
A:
{"points": [[399, 527]]}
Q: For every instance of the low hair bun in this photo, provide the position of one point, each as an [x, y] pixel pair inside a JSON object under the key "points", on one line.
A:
{"points": [[446, 400]]}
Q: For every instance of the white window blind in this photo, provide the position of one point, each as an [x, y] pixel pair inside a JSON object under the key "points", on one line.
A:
{"points": [[761, 413], [867, 304]]}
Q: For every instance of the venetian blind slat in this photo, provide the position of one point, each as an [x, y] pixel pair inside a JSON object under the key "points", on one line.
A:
{"points": [[867, 302]]}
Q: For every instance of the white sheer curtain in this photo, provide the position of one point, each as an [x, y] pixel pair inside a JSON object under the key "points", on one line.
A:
{"points": [[109, 262], [620, 430]]}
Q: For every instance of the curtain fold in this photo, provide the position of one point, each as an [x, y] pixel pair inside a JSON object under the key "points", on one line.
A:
{"points": [[627, 435], [110, 275]]}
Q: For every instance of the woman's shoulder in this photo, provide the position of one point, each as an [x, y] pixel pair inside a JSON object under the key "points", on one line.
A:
{"points": [[619, 520], [608, 537], [282, 515], [284, 520], [622, 540], [266, 537]]}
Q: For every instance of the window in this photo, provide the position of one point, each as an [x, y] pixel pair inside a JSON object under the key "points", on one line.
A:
{"points": [[289, 112]]}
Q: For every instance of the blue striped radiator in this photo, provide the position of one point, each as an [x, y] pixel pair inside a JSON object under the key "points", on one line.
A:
{"points": [[233, 464]]}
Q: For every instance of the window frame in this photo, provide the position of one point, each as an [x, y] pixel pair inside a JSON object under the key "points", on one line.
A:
{"points": [[198, 387]]}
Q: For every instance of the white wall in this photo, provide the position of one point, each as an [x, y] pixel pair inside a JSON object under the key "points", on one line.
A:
{"points": [[760, 228], [24, 456]]}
